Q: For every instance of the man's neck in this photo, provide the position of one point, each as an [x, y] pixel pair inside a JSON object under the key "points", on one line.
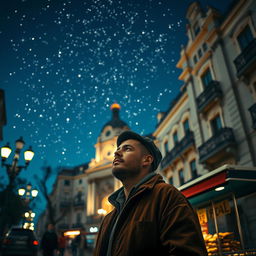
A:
{"points": [[128, 184]]}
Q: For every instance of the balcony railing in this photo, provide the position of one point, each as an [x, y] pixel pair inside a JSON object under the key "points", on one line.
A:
{"points": [[252, 110], [246, 59], [221, 140], [211, 92], [186, 142], [79, 203]]}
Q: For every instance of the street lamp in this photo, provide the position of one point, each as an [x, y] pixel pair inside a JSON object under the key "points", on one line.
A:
{"points": [[28, 192], [13, 169]]}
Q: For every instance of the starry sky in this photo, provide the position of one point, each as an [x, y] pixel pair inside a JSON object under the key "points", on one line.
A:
{"points": [[64, 62]]}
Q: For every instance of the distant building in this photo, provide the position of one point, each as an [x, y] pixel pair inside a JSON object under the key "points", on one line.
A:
{"points": [[208, 135]]}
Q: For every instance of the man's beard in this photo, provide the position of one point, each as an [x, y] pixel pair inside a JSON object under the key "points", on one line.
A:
{"points": [[122, 174]]}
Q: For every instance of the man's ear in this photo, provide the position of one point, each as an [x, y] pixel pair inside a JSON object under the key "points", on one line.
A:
{"points": [[148, 160]]}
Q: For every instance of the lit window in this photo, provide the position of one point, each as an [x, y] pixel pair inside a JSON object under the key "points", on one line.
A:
{"points": [[245, 37]]}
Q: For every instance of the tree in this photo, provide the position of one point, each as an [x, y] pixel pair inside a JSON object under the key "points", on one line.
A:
{"points": [[44, 187]]}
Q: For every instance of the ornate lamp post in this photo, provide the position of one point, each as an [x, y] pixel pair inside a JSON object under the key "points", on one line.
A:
{"points": [[13, 169], [28, 192]]}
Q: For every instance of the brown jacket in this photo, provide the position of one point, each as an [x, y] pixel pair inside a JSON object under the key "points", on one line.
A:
{"points": [[156, 220]]}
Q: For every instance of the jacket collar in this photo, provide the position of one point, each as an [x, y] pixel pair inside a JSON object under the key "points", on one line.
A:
{"points": [[148, 182]]}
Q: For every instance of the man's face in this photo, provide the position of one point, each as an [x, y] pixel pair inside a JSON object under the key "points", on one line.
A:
{"points": [[128, 158]]}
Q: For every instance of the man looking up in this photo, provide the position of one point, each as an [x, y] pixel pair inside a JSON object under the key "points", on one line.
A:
{"points": [[150, 217]]}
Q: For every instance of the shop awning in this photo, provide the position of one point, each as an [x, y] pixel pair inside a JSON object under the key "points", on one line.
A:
{"points": [[228, 178]]}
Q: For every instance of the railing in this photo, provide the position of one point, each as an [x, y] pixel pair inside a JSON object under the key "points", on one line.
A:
{"points": [[246, 58], [187, 141], [211, 92], [216, 143], [252, 110]]}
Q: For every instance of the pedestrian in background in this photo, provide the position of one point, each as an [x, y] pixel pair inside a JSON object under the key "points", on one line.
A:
{"points": [[150, 217], [49, 242], [62, 243]]}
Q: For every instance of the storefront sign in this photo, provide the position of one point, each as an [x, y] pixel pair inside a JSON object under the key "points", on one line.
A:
{"points": [[222, 208], [202, 216]]}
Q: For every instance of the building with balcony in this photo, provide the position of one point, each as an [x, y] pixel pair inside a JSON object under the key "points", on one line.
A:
{"points": [[207, 136]]}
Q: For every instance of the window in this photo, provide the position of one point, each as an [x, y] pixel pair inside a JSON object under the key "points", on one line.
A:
{"points": [[245, 37], [107, 133], [195, 59], [186, 127], [175, 138], [80, 181], [206, 77], [66, 182], [216, 124], [196, 29], [166, 146], [205, 47], [200, 53], [170, 180], [181, 177], [78, 218], [193, 169]]}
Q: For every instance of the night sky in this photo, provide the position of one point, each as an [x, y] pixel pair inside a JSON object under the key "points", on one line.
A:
{"points": [[63, 63]]}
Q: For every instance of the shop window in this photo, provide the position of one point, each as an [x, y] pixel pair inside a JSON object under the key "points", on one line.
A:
{"points": [[247, 212], [195, 59], [245, 37], [200, 53], [222, 218], [216, 124], [205, 47], [166, 147], [181, 177], [193, 169], [186, 126], [66, 182], [175, 138], [206, 78]]}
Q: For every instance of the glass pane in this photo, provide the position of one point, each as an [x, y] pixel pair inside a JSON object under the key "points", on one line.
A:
{"points": [[247, 213], [206, 77], [245, 37]]}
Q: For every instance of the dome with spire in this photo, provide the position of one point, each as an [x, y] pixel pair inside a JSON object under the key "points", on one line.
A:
{"points": [[115, 126]]}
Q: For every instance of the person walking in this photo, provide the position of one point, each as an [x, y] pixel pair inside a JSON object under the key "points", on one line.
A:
{"points": [[150, 217], [62, 243], [49, 242]]}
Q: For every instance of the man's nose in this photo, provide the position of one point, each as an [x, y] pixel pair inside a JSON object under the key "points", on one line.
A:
{"points": [[117, 152]]}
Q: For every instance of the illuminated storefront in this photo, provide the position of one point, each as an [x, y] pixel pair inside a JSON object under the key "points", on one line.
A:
{"points": [[225, 201]]}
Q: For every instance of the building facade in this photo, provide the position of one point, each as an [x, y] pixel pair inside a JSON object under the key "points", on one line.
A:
{"points": [[208, 135]]}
